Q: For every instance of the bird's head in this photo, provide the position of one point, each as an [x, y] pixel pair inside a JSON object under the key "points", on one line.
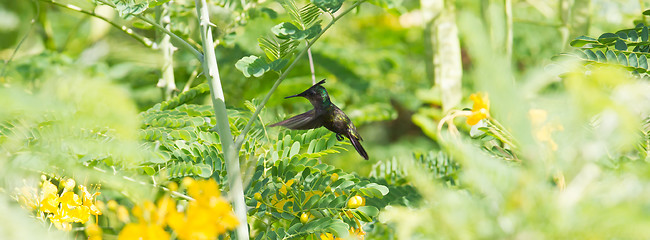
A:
{"points": [[316, 94]]}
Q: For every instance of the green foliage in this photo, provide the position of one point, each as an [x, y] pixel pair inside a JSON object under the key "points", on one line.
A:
{"points": [[556, 178], [614, 48], [297, 185], [287, 36], [330, 6]]}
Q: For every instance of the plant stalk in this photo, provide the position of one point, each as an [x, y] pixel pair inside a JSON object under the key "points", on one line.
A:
{"points": [[211, 72]]}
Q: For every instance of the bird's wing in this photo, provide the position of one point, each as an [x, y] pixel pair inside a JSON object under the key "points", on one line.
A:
{"points": [[307, 120]]}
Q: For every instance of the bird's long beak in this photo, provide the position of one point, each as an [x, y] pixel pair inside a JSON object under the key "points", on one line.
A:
{"points": [[297, 95]]}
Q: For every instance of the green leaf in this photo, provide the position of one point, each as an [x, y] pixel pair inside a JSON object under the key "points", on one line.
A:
{"points": [[622, 59], [601, 56], [149, 170], [339, 228], [295, 149], [255, 66], [620, 45], [383, 189], [287, 30], [633, 35], [328, 5], [611, 56], [309, 14], [294, 228], [311, 202], [270, 12], [361, 216], [338, 202], [646, 12], [633, 62], [203, 170], [606, 38], [278, 64], [369, 210], [125, 9], [644, 34], [591, 55], [643, 62], [582, 40]]}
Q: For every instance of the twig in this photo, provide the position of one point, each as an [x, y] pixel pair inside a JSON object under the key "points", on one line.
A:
{"points": [[311, 67], [182, 43], [13, 54], [146, 41]]}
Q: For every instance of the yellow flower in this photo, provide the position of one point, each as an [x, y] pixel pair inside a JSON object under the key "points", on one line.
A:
{"points": [[88, 200], [69, 184], [70, 199], [68, 207], [50, 204], [142, 231], [207, 216], [48, 189], [49, 198], [60, 221], [480, 109]]}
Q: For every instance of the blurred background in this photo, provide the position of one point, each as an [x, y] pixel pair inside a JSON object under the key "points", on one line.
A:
{"points": [[396, 68]]}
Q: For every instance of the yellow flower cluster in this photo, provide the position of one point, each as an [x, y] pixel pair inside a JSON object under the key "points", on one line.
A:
{"points": [[207, 216], [65, 208]]}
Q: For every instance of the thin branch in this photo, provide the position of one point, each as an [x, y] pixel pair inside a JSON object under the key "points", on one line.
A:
{"points": [[13, 54], [146, 41], [258, 109], [311, 67], [173, 193], [181, 42]]}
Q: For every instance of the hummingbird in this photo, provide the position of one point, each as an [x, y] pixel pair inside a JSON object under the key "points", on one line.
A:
{"points": [[325, 114]]}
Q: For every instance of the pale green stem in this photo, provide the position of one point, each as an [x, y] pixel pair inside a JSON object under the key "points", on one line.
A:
{"points": [[509, 30], [258, 109], [211, 72], [167, 81], [311, 67]]}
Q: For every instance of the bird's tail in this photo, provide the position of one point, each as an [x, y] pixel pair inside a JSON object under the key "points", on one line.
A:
{"points": [[357, 145]]}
